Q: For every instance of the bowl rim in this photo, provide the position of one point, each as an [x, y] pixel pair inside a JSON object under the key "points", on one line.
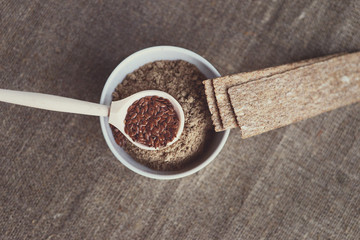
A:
{"points": [[166, 175]]}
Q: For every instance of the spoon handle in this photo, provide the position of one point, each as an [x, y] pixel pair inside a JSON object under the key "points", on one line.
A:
{"points": [[53, 103]]}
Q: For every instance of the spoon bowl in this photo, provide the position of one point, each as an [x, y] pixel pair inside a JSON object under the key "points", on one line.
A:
{"points": [[118, 111]]}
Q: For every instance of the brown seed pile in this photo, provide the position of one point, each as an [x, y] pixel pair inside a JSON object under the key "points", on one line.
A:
{"points": [[183, 81], [152, 121]]}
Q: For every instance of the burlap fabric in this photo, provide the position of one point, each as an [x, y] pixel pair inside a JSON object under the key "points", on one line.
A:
{"points": [[59, 180]]}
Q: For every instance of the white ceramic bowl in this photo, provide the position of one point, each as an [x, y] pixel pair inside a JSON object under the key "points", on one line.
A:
{"points": [[132, 63]]}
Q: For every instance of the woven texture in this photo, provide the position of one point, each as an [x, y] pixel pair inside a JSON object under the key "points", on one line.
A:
{"points": [[59, 180]]}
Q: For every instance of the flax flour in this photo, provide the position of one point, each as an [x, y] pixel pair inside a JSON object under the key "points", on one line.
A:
{"points": [[183, 81]]}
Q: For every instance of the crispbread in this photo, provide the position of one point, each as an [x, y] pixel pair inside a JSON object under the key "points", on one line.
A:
{"points": [[301, 93], [222, 84], [210, 97]]}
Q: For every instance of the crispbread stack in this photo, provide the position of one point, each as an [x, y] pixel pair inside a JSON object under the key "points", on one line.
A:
{"points": [[263, 100], [214, 110]]}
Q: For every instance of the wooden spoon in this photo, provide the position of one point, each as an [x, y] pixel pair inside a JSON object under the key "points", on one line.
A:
{"points": [[116, 112]]}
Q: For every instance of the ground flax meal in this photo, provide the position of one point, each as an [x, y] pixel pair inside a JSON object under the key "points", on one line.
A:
{"points": [[183, 81]]}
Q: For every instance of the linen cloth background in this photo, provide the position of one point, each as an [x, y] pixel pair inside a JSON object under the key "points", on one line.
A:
{"points": [[59, 180]]}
